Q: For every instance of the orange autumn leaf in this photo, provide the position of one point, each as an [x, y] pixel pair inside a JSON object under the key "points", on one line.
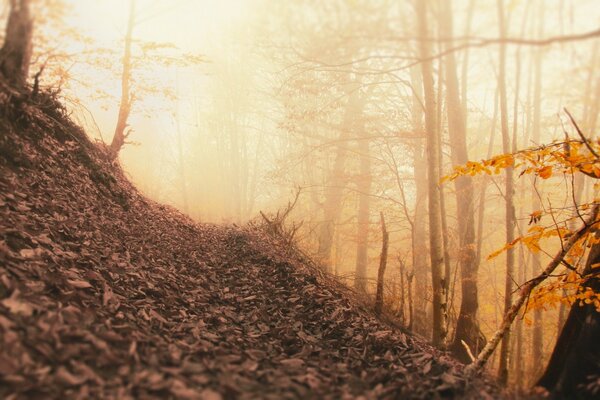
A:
{"points": [[545, 172]]}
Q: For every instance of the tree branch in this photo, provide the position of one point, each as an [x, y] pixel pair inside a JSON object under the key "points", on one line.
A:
{"points": [[476, 367]]}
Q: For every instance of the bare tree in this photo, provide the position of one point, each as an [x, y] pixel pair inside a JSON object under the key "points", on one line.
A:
{"points": [[364, 200], [382, 266], [467, 328], [508, 194], [127, 99], [436, 254]]}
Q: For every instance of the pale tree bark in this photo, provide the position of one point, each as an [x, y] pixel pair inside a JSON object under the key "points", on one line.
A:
{"points": [[364, 180], [508, 194], [121, 131], [465, 63], [484, 184], [418, 321], [15, 54], [537, 341], [443, 215], [433, 156], [181, 161], [467, 328], [517, 345]]}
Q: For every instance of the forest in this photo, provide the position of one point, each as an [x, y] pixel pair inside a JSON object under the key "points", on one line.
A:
{"points": [[374, 199]]}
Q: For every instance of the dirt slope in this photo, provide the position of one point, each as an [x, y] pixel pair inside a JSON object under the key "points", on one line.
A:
{"points": [[105, 294]]}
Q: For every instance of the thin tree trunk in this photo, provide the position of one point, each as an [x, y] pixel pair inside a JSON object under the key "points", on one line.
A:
{"points": [[435, 235], [443, 215], [465, 64], [409, 279], [484, 184], [382, 266], [538, 322], [418, 320], [364, 201], [509, 193], [334, 190], [401, 313], [121, 132], [182, 175]]}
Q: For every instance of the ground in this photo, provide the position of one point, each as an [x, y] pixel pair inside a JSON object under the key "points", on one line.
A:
{"points": [[106, 294]]}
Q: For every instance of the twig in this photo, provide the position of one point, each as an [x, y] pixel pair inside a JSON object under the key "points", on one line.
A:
{"points": [[581, 135], [476, 366]]}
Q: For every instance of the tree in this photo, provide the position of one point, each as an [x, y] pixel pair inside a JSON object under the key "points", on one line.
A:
{"points": [[121, 131], [15, 55], [508, 193], [130, 92], [418, 231], [573, 368], [382, 265], [467, 329], [364, 199], [575, 361], [334, 190], [436, 254]]}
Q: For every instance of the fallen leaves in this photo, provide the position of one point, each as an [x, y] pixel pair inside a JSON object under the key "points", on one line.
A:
{"points": [[16, 305], [79, 283], [104, 294]]}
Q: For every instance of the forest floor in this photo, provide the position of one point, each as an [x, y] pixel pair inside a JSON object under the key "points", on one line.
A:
{"points": [[106, 294]]}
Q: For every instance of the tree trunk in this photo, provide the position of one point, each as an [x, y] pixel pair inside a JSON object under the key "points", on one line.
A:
{"points": [[364, 201], [401, 314], [121, 131], [575, 359], [467, 328], [409, 279], [526, 289], [443, 216], [419, 247], [433, 156], [334, 190], [382, 266], [15, 54], [537, 341], [509, 194]]}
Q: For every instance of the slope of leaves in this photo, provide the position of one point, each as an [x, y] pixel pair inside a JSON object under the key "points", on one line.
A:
{"points": [[105, 294]]}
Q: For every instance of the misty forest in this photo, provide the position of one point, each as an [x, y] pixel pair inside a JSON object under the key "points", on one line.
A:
{"points": [[284, 199]]}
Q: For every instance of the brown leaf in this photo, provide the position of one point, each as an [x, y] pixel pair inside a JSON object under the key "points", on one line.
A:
{"points": [[79, 283], [209, 394], [16, 305], [30, 254], [64, 376], [292, 362], [181, 390]]}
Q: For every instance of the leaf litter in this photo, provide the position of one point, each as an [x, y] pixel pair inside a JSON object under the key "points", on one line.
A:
{"points": [[106, 294]]}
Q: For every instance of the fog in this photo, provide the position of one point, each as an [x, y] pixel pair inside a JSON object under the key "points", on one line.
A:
{"points": [[246, 103]]}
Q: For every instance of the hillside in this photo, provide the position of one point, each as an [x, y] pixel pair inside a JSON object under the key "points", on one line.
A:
{"points": [[106, 294]]}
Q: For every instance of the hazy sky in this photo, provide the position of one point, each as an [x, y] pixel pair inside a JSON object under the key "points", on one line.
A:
{"points": [[225, 29]]}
